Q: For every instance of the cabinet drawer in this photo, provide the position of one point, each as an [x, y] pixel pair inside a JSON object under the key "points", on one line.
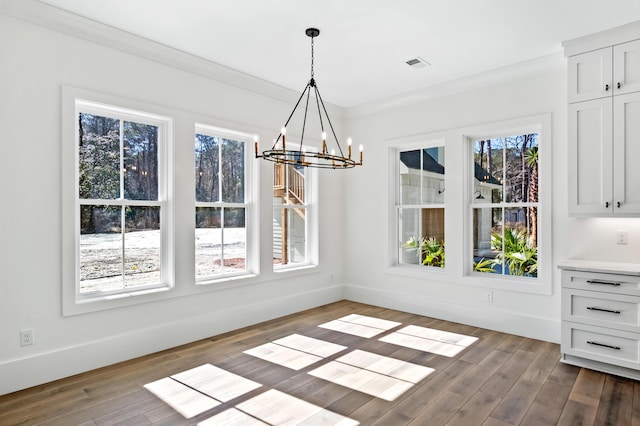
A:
{"points": [[601, 344], [594, 281], [618, 311]]}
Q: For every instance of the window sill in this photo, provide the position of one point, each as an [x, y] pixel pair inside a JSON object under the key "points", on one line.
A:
{"points": [[88, 304], [539, 286]]}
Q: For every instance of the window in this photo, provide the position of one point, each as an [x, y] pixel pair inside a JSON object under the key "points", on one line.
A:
{"points": [[121, 201], [505, 205], [420, 206], [290, 215], [221, 203]]}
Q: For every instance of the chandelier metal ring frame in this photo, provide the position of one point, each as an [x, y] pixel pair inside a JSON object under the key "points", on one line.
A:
{"points": [[326, 159]]}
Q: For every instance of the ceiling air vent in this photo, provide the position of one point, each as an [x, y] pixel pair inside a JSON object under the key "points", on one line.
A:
{"points": [[417, 62]]}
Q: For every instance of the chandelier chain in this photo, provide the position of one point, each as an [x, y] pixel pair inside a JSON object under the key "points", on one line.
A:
{"points": [[312, 57]]}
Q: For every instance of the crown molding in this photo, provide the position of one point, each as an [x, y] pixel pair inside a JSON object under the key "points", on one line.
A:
{"points": [[60, 20]]}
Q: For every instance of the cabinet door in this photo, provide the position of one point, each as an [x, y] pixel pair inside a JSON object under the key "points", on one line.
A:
{"points": [[626, 67], [626, 153], [590, 75], [590, 157]]}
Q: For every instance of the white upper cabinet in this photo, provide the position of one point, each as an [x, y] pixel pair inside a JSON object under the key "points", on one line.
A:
{"points": [[590, 75], [604, 123], [626, 154], [626, 68], [604, 72]]}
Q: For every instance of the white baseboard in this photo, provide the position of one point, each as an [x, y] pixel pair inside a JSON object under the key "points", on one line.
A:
{"points": [[45, 367], [511, 322]]}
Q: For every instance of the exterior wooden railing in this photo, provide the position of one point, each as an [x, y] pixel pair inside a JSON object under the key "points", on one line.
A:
{"points": [[296, 181]]}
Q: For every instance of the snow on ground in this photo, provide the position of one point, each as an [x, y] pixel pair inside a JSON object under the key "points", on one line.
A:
{"points": [[101, 264]]}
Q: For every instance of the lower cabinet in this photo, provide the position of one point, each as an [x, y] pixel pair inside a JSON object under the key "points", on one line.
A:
{"points": [[601, 317]]}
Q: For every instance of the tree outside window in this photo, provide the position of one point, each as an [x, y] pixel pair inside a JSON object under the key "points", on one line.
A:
{"points": [[221, 207], [505, 205], [118, 202]]}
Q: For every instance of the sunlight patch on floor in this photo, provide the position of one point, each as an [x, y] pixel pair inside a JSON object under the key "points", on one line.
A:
{"points": [[200, 389], [216, 382], [277, 408], [295, 351], [181, 398], [430, 340], [360, 325], [373, 374]]}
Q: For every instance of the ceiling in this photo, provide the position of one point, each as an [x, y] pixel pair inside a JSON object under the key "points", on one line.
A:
{"points": [[361, 53]]}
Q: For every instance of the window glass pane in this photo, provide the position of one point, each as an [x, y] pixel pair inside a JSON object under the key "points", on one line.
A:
{"points": [[289, 236], [232, 171], [487, 224], [235, 239], [140, 148], [100, 248], [488, 169], [422, 176], [99, 157], [410, 166], [141, 246], [422, 237], [295, 185], [206, 168], [519, 243], [208, 241]]}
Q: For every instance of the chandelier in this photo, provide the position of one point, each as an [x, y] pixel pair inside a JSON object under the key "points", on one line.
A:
{"points": [[326, 158]]}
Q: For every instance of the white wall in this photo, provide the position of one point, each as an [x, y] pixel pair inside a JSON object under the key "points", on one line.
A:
{"points": [[368, 275], [36, 63]]}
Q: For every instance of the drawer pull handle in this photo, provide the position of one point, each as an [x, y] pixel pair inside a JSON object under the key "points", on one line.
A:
{"points": [[617, 348], [615, 283], [611, 311]]}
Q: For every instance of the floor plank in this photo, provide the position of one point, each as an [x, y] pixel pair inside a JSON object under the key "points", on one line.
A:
{"points": [[498, 380]]}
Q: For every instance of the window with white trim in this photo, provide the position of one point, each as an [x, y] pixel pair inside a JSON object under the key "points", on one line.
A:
{"points": [[121, 201], [222, 203], [420, 206], [291, 211], [505, 204]]}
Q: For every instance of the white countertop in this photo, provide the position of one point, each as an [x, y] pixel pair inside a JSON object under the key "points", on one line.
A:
{"points": [[599, 266]]}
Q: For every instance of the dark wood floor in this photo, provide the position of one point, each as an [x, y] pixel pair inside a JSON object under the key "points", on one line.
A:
{"points": [[500, 380]]}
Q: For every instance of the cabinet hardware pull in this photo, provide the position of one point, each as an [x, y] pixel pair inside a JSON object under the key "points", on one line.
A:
{"points": [[619, 85], [606, 205], [606, 87], [617, 348], [617, 284], [611, 311], [619, 204]]}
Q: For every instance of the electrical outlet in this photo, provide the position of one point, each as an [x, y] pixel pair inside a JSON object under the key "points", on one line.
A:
{"points": [[26, 337], [622, 237], [488, 296]]}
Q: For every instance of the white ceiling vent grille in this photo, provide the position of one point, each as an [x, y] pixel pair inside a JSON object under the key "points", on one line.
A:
{"points": [[417, 63]]}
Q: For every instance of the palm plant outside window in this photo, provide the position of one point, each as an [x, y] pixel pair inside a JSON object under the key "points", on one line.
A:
{"points": [[505, 205], [420, 207]]}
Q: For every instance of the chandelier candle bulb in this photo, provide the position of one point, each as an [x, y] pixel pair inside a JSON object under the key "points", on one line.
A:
{"points": [[255, 141], [349, 148], [361, 149], [324, 142], [284, 132]]}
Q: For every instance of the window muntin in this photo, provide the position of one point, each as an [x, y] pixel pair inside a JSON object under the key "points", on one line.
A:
{"points": [[505, 205], [290, 216], [120, 201], [420, 207], [221, 207]]}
